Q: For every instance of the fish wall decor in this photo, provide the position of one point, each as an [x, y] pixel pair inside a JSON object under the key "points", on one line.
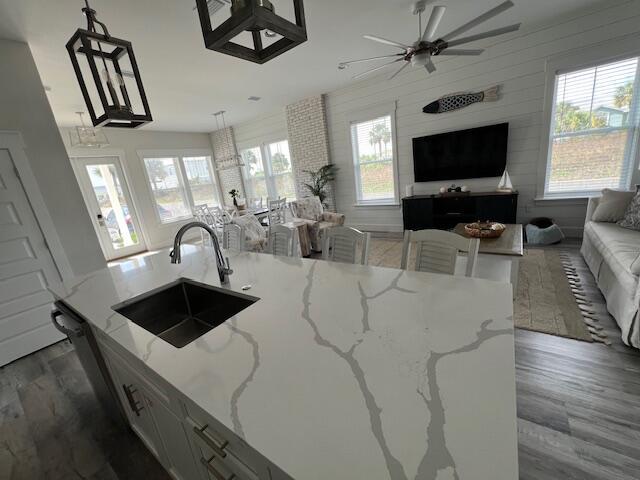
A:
{"points": [[454, 101]]}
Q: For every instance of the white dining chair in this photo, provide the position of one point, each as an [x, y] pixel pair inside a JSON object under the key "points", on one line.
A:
{"points": [[282, 241], [277, 211], [233, 237], [341, 244], [255, 204], [437, 251], [201, 213]]}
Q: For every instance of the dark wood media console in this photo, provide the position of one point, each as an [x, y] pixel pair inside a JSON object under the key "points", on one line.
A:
{"points": [[444, 211]]}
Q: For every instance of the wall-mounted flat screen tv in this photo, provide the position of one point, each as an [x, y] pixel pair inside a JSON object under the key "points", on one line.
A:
{"points": [[473, 153]]}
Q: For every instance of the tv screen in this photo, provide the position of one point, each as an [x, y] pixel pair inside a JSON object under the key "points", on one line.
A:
{"points": [[474, 153]]}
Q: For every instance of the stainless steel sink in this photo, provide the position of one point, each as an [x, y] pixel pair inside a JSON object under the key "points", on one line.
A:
{"points": [[184, 310]]}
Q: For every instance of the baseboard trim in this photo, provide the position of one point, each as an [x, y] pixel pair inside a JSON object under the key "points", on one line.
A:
{"points": [[373, 227]]}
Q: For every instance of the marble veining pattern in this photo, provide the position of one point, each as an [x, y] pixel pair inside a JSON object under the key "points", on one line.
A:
{"points": [[349, 358]]}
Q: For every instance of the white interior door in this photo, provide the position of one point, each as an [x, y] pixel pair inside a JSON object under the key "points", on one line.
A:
{"points": [[108, 199], [26, 267]]}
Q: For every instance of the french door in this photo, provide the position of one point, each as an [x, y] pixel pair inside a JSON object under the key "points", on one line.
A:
{"points": [[108, 200]]}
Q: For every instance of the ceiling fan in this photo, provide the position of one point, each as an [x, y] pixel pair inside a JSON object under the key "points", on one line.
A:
{"points": [[428, 45]]}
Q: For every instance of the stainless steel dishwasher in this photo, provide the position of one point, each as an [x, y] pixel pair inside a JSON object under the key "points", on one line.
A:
{"points": [[79, 333]]}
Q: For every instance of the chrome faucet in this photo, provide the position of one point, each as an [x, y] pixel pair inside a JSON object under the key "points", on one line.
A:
{"points": [[223, 266]]}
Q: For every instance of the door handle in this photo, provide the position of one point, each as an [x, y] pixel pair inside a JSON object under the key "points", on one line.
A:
{"points": [[133, 403], [77, 332], [100, 218]]}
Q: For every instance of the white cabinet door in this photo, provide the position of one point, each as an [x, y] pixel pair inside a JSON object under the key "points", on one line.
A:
{"points": [[26, 267], [135, 404], [179, 460]]}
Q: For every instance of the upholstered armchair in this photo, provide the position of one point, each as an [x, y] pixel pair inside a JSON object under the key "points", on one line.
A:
{"points": [[255, 239], [310, 210]]}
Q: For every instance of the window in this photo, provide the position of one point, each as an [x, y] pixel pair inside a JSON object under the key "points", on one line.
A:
{"points": [[268, 172], [178, 183], [593, 131], [372, 142]]}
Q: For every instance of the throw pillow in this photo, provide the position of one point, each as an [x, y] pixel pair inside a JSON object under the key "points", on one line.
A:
{"points": [[612, 206], [631, 217]]}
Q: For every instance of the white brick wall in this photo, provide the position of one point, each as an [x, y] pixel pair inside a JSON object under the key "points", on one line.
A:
{"points": [[224, 145], [308, 141]]}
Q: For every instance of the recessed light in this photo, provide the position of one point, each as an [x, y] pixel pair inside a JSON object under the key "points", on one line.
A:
{"points": [[253, 98]]}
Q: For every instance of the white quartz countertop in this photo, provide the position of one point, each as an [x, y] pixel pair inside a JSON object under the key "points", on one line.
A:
{"points": [[338, 371]]}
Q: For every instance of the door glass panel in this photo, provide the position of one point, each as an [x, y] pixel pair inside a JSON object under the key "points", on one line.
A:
{"points": [[201, 182], [116, 216]]}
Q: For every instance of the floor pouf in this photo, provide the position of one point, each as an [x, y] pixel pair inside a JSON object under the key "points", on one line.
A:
{"points": [[543, 236]]}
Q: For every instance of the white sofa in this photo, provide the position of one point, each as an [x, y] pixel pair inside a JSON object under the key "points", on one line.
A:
{"points": [[613, 256]]}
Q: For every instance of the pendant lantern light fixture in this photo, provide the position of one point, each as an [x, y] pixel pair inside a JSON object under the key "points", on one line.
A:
{"points": [[233, 160], [90, 137], [252, 16], [108, 76]]}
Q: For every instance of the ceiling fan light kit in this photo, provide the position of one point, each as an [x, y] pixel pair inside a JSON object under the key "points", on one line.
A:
{"points": [[421, 52], [112, 99], [253, 16]]}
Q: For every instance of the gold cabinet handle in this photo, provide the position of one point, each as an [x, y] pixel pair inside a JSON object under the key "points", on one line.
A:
{"points": [[218, 449], [214, 472], [133, 403]]}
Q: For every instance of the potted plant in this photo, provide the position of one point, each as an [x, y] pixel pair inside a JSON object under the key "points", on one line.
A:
{"points": [[234, 195], [320, 179]]}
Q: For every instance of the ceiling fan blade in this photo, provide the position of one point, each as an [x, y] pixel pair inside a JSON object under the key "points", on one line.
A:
{"points": [[375, 69], [350, 62], [385, 41], [430, 66], [453, 51], [480, 36], [406, 64], [432, 25], [477, 21]]}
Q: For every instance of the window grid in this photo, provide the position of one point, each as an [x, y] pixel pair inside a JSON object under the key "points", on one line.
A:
{"points": [[268, 171], [594, 129], [373, 159], [179, 183]]}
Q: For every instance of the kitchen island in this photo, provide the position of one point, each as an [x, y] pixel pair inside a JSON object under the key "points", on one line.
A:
{"points": [[336, 372]]}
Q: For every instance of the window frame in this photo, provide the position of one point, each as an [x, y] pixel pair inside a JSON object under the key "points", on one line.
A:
{"points": [[181, 173], [265, 158], [381, 110], [601, 54]]}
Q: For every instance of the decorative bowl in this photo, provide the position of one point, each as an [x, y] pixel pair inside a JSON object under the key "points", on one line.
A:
{"points": [[484, 229]]}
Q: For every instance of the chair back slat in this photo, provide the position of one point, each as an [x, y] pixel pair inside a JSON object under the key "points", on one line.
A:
{"points": [[233, 237], [281, 241], [277, 211], [341, 245], [437, 251]]}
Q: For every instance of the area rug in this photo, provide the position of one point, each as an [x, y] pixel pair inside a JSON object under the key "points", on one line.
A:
{"points": [[555, 290], [551, 297]]}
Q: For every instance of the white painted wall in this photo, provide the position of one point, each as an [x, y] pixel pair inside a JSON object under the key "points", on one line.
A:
{"points": [[516, 62], [24, 108], [128, 143]]}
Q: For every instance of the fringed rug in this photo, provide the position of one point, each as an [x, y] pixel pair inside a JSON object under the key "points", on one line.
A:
{"points": [[554, 296]]}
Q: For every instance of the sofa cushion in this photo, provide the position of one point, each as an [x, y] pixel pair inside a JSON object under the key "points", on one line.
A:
{"points": [[631, 217], [612, 205], [620, 248], [309, 208]]}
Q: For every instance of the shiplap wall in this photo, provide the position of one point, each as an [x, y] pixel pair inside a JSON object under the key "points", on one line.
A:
{"points": [[260, 130], [517, 63]]}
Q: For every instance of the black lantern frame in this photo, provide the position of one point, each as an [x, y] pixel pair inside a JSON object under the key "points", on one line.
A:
{"points": [[253, 16], [115, 99]]}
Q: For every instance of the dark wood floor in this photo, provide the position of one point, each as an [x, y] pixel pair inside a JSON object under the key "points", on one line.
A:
{"points": [[578, 416]]}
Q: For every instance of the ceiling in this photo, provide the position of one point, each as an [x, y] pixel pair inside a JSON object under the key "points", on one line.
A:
{"points": [[185, 82]]}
